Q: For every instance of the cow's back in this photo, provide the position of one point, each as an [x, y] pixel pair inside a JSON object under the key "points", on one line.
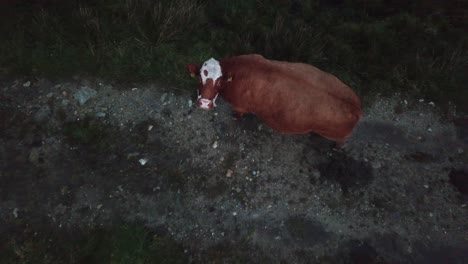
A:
{"points": [[291, 97], [257, 65]]}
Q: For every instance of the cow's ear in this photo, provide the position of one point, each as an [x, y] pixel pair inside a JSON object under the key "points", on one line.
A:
{"points": [[193, 70]]}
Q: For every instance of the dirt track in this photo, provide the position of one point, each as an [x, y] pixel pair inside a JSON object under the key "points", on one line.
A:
{"points": [[232, 190]]}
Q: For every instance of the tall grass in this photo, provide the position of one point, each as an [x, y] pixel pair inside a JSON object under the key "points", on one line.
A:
{"points": [[418, 47]]}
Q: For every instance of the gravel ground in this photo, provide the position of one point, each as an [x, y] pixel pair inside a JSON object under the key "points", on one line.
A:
{"points": [[83, 153]]}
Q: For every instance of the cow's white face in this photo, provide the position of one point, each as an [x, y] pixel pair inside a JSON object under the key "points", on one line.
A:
{"points": [[211, 69], [210, 77]]}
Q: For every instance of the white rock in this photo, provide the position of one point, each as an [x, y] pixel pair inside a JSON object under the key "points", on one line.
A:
{"points": [[143, 161], [215, 144], [234, 213], [163, 97], [27, 84], [150, 127], [229, 173], [15, 212], [84, 94], [100, 114]]}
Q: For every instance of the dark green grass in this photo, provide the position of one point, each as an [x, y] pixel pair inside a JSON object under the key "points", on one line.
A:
{"points": [[125, 244], [377, 47]]}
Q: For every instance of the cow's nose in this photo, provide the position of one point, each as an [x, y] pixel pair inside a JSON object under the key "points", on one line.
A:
{"points": [[205, 104]]}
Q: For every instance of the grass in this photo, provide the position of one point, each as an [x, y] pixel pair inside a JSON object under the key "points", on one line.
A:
{"points": [[378, 47], [123, 244]]}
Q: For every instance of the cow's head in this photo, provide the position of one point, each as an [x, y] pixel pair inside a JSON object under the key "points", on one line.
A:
{"points": [[209, 77]]}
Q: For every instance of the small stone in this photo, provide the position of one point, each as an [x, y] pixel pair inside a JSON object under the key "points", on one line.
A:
{"points": [[229, 173], [460, 151], [429, 129], [316, 174], [163, 97], [190, 103], [49, 95], [134, 88], [143, 161], [27, 84], [431, 104], [376, 165], [84, 94], [99, 206], [234, 213], [100, 114], [215, 144], [426, 186], [15, 212], [421, 100], [150, 127]]}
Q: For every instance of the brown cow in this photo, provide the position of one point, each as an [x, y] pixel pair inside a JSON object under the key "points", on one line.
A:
{"points": [[289, 97]]}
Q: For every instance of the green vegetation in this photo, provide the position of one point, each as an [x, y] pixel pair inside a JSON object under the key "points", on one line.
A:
{"points": [[416, 47], [125, 244]]}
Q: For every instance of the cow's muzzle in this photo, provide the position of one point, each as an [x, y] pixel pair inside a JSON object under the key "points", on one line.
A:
{"points": [[206, 104]]}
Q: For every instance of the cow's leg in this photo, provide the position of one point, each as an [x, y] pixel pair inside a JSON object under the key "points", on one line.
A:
{"points": [[339, 144], [237, 115]]}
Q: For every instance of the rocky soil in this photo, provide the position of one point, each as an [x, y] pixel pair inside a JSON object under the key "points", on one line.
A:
{"points": [[85, 153]]}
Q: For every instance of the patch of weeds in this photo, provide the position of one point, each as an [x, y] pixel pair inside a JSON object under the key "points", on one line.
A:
{"points": [[166, 250], [89, 133], [133, 244], [240, 251], [349, 173], [123, 244]]}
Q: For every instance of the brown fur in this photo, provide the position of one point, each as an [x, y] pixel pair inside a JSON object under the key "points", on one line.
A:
{"points": [[290, 97]]}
